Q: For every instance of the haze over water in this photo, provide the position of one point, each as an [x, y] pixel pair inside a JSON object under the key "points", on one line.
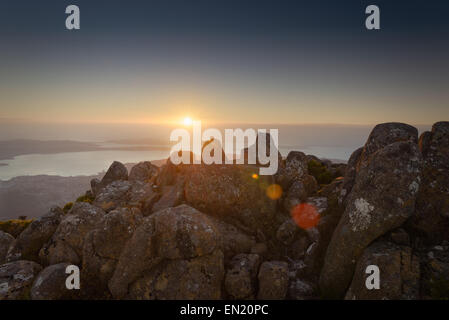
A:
{"points": [[131, 143]]}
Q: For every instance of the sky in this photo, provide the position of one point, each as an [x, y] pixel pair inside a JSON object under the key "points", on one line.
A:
{"points": [[228, 61]]}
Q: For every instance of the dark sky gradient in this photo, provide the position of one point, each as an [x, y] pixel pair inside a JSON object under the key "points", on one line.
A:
{"points": [[259, 61]]}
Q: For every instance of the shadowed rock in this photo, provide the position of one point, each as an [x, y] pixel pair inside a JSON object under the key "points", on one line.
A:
{"points": [[234, 193], [171, 196], [241, 277], [30, 241], [16, 279], [273, 280], [399, 273], [294, 170], [350, 174], [5, 242], [50, 284], [103, 246], [382, 198], [187, 279], [66, 244], [173, 233], [431, 219], [384, 134]]}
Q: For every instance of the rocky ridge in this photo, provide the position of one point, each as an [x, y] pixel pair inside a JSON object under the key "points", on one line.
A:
{"points": [[225, 232]]}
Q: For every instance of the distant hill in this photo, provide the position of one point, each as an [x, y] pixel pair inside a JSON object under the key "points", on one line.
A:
{"points": [[12, 148], [32, 196]]}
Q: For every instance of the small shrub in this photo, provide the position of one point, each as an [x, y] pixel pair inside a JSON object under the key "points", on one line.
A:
{"points": [[14, 227], [325, 178], [320, 172], [85, 198], [67, 207]]}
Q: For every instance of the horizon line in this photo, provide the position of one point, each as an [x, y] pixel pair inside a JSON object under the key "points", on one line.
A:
{"points": [[206, 121]]}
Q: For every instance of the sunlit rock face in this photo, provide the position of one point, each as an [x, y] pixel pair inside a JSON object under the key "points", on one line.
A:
{"points": [[179, 242], [234, 193], [383, 198]]}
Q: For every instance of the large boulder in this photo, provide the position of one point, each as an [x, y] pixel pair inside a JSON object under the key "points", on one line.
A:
{"points": [[173, 233], [66, 244], [30, 241], [114, 195], [234, 193], [241, 277], [143, 171], [295, 168], [103, 246], [171, 196], [431, 219], [143, 196], [287, 232], [168, 173], [232, 240], [199, 278], [273, 280], [16, 279], [117, 171], [399, 273], [382, 199], [50, 284], [381, 136], [385, 134], [5, 242]]}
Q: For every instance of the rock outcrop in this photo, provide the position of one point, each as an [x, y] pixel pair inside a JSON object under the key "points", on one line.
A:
{"points": [[431, 219], [30, 241], [103, 245], [116, 172], [233, 193], [199, 231], [383, 198], [66, 244], [143, 171], [180, 233]]}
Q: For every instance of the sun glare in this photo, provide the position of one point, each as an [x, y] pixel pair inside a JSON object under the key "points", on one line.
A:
{"points": [[187, 121]]}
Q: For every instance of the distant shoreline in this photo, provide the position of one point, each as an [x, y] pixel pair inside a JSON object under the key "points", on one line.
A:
{"points": [[13, 148]]}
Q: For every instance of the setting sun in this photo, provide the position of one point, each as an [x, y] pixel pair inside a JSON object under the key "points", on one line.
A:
{"points": [[187, 121]]}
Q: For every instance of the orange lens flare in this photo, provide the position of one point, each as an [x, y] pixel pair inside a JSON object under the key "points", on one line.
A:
{"points": [[255, 176], [274, 191], [305, 215]]}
